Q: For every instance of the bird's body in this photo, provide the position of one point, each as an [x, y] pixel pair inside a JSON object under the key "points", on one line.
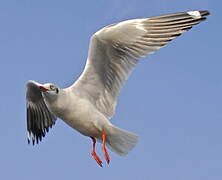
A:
{"points": [[79, 113], [88, 105]]}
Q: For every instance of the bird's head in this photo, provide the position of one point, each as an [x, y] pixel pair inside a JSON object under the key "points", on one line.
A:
{"points": [[49, 90]]}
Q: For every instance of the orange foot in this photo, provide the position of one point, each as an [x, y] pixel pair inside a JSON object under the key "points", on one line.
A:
{"points": [[105, 153], [98, 160], [94, 155]]}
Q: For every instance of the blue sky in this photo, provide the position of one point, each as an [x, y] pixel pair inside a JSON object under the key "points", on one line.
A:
{"points": [[172, 100]]}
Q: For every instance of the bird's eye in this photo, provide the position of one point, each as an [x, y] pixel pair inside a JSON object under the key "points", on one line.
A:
{"points": [[52, 87]]}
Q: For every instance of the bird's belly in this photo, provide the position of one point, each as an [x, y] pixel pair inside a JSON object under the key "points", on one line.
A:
{"points": [[84, 125], [87, 120]]}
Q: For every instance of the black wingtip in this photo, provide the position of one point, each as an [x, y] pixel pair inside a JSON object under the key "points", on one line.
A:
{"points": [[204, 13], [203, 19]]}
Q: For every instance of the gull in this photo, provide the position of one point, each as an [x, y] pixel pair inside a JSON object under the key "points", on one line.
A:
{"points": [[89, 103]]}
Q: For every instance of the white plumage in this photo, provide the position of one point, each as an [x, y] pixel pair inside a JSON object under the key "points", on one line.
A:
{"points": [[90, 102]]}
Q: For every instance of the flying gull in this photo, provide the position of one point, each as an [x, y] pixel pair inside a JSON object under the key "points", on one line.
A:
{"points": [[88, 105]]}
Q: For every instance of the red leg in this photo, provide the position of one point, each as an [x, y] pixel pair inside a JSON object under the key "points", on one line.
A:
{"points": [[105, 153], [94, 155]]}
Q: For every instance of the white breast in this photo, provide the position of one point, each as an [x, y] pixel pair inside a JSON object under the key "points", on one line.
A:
{"points": [[81, 115]]}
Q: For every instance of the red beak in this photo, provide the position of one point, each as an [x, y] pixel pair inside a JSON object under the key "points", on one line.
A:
{"points": [[43, 89]]}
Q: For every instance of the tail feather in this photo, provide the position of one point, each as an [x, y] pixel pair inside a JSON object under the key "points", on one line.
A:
{"points": [[120, 141]]}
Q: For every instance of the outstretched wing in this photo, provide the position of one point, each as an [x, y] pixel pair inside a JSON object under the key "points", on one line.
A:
{"points": [[39, 118], [114, 51]]}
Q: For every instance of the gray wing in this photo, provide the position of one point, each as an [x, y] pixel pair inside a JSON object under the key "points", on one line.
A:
{"points": [[114, 52], [39, 118]]}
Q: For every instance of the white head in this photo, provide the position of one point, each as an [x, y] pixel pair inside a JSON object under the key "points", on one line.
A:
{"points": [[50, 91]]}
